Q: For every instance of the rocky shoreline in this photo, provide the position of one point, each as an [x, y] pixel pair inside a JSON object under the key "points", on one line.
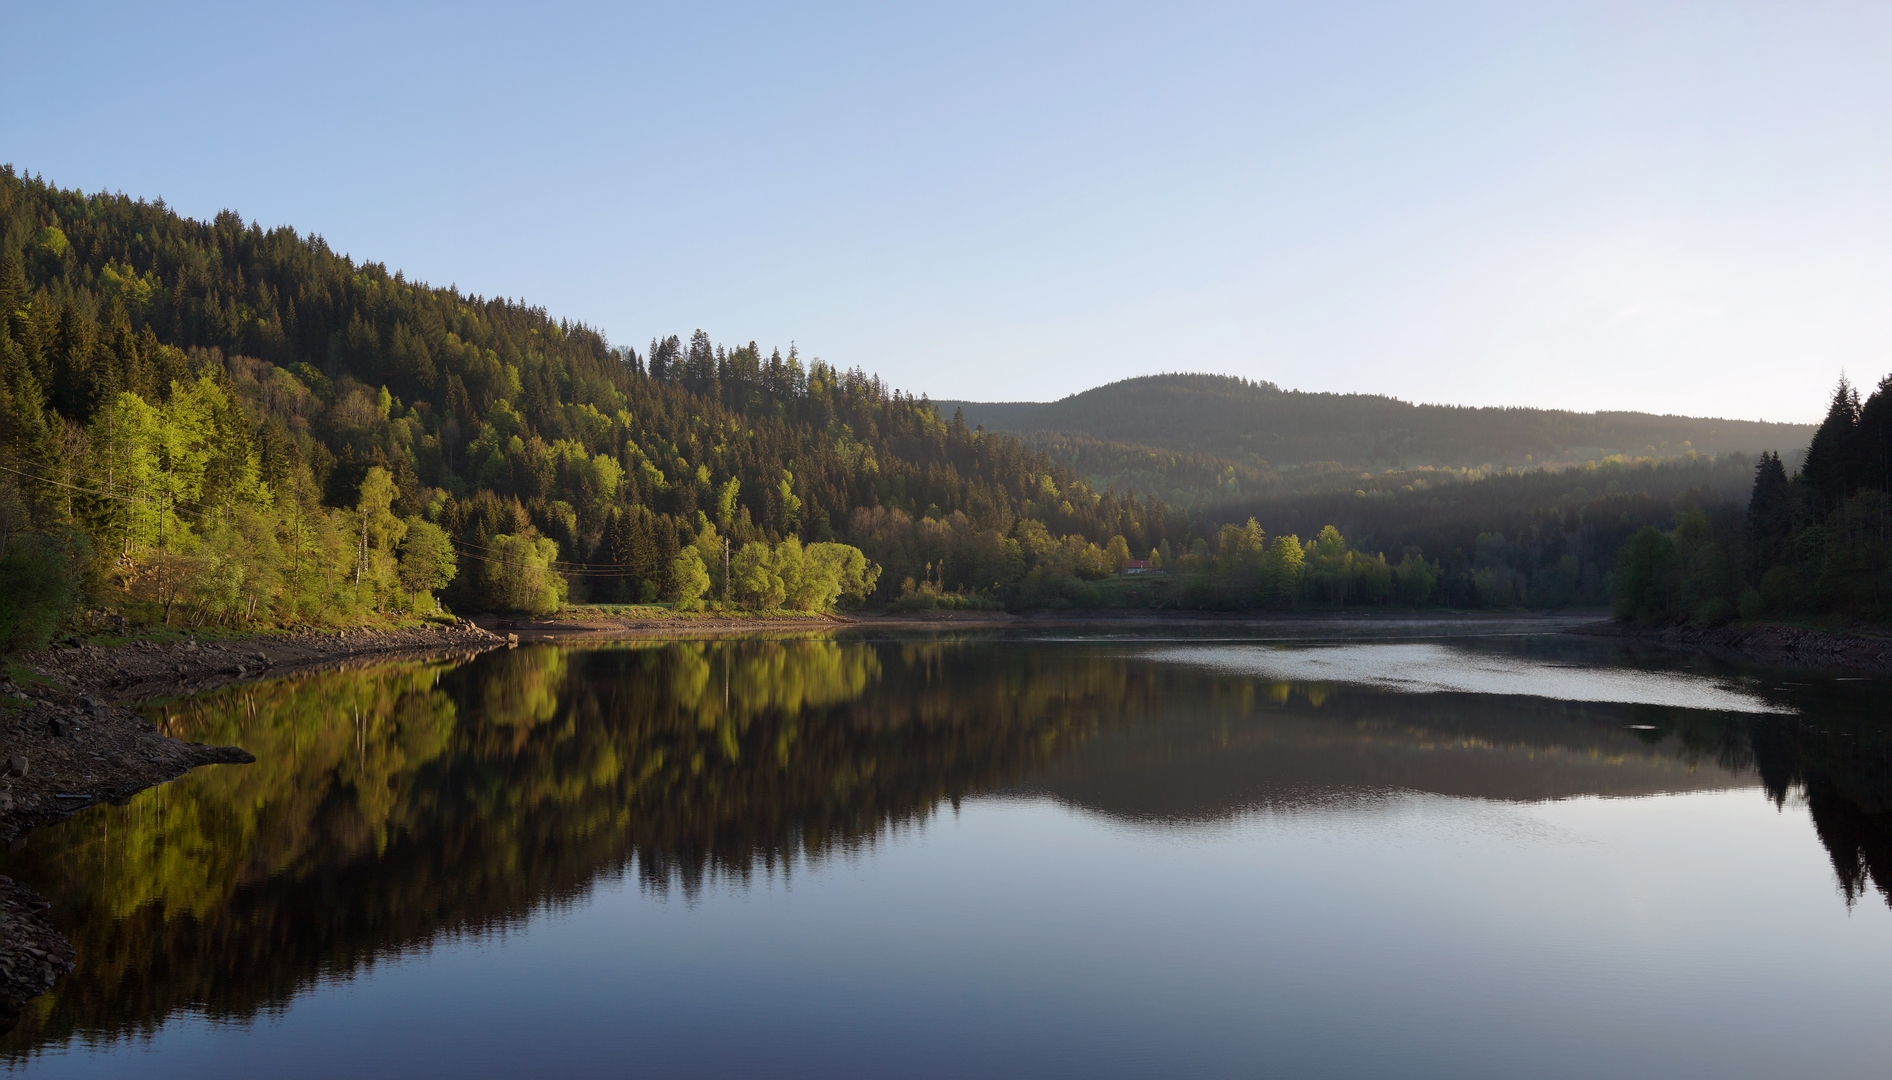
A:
{"points": [[1787, 646], [32, 953], [65, 746]]}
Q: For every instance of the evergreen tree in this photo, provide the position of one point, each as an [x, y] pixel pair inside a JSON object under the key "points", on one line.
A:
{"points": [[1872, 441], [1769, 513], [1827, 471]]}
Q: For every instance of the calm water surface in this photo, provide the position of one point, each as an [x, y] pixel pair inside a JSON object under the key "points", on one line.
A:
{"points": [[993, 856]]}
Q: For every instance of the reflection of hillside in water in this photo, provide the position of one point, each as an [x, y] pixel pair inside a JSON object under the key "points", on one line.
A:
{"points": [[1317, 744], [1292, 744], [391, 808]]}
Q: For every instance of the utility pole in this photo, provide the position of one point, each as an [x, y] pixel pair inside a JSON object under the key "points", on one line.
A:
{"points": [[725, 571]]}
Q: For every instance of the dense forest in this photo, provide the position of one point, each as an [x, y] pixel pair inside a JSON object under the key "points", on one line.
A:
{"points": [[1814, 543], [209, 421], [214, 423], [1700, 539], [1272, 434], [1179, 478], [1543, 538]]}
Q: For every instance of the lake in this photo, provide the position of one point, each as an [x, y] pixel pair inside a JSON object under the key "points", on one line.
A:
{"points": [[985, 854]]}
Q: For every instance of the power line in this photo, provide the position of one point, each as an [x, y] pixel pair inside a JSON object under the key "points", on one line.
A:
{"points": [[566, 568], [75, 487], [172, 502]]}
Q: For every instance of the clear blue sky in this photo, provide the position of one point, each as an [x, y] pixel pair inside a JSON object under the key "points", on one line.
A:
{"points": [[1657, 206]]}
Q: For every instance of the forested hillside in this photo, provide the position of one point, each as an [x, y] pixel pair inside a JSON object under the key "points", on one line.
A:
{"points": [[1696, 538], [1813, 543], [214, 421], [1179, 478], [209, 422], [1257, 425], [1543, 538]]}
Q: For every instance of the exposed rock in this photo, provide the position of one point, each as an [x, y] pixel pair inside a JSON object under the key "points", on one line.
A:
{"points": [[32, 953]]}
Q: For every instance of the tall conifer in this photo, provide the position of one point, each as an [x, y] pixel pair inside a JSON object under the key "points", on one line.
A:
{"points": [[1828, 464], [1872, 440], [1769, 514]]}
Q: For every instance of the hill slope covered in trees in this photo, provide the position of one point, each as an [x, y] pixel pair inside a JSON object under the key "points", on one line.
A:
{"points": [[1816, 542], [214, 421], [1256, 425]]}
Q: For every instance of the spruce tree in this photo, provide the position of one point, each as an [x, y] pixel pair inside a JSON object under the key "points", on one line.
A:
{"points": [[1769, 514], [1826, 470], [1872, 441]]}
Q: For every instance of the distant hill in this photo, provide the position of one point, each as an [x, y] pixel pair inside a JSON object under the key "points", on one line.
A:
{"points": [[1258, 426]]}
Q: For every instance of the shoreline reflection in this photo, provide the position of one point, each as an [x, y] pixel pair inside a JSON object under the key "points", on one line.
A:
{"points": [[394, 808]]}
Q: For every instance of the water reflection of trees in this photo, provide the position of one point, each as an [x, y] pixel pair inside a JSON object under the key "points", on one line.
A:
{"points": [[1289, 746], [394, 807], [1836, 755]]}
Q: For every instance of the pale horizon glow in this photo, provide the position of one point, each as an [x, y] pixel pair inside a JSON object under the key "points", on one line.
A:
{"points": [[1660, 207]]}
